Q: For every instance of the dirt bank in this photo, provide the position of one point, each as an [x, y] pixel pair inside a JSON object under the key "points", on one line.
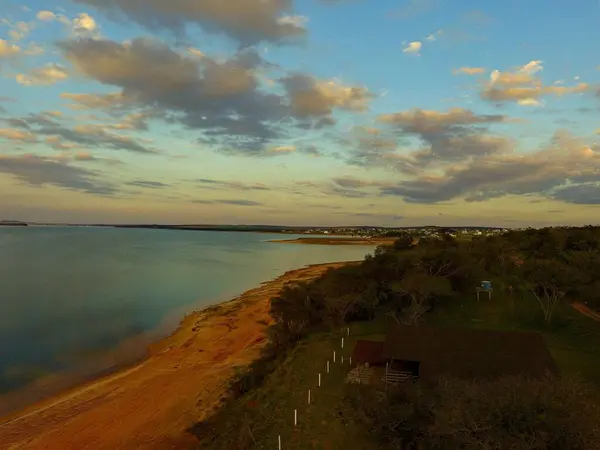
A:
{"points": [[337, 241], [150, 405]]}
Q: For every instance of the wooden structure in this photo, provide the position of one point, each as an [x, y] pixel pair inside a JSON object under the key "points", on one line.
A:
{"points": [[429, 352]]}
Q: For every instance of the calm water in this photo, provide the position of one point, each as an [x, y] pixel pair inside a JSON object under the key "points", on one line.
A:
{"points": [[67, 294]]}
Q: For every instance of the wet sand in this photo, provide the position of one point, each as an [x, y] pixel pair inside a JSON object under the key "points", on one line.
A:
{"points": [[337, 241], [150, 405]]}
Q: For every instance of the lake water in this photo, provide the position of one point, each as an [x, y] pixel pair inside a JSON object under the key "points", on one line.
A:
{"points": [[69, 294]]}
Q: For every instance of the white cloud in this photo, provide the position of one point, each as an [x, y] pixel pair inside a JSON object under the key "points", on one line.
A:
{"points": [[49, 74], [532, 67], [46, 16], [84, 23], [295, 21], [413, 47]]}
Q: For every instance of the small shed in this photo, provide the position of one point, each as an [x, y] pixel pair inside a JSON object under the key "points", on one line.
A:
{"points": [[468, 353]]}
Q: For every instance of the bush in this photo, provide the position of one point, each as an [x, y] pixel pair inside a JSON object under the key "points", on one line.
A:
{"points": [[509, 413]]}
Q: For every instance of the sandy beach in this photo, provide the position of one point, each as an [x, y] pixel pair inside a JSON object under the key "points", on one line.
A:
{"points": [[337, 241], [151, 404]]}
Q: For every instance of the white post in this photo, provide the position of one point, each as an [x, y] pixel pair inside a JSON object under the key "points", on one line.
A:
{"points": [[309, 396], [348, 330], [279, 440], [351, 360], [327, 366], [334, 356], [342, 342], [319, 380], [342, 360], [386, 372], [295, 417]]}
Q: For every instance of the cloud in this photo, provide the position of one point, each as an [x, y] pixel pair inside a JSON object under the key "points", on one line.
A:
{"points": [[566, 169], [223, 99], [235, 185], [581, 194], [8, 50], [20, 30], [282, 149], [235, 202], [148, 184], [84, 23], [413, 48], [62, 137], [423, 121], [311, 97], [41, 171], [523, 87], [43, 76], [469, 71], [249, 21], [95, 101], [454, 135], [46, 16], [17, 135], [33, 49]]}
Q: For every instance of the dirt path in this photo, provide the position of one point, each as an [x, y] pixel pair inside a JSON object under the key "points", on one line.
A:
{"points": [[151, 405], [583, 309]]}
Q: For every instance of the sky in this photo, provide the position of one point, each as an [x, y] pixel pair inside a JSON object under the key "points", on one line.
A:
{"points": [[300, 112]]}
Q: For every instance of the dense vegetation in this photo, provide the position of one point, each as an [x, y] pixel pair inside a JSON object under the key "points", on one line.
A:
{"points": [[403, 283]]}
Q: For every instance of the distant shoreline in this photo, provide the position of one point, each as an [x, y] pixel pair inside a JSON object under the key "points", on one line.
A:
{"points": [[336, 241]]}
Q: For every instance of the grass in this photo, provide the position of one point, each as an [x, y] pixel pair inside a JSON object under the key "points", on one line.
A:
{"points": [[572, 338], [270, 408], [268, 411]]}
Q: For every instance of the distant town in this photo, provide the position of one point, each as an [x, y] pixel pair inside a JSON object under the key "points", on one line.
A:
{"points": [[349, 231]]}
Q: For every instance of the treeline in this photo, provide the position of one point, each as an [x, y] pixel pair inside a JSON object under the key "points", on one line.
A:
{"points": [[406, 280]]}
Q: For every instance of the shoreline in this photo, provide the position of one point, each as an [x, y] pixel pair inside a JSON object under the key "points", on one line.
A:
{"points": [[336, 241], [155, 400]]}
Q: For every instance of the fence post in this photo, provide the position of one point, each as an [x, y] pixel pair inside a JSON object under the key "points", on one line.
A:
{"points": [[342, 342], [295, 417], [351, 360], [309, 396], [319, 380], [334, 356], [348, 330], [279, 441], [327, 366], [342, 360]]}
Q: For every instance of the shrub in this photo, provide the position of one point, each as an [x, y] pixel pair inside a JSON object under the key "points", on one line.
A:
{"points": [[509, 413]]}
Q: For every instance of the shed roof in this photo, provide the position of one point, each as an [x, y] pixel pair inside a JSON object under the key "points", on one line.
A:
{"points": [[469, 353], [368, 352]]}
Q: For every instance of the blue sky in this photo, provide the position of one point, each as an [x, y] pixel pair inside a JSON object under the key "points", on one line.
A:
{"points": [[288, 112]]}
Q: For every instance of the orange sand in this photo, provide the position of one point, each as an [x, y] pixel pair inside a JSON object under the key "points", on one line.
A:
{"points": [[150, 405], [338, 241]]}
